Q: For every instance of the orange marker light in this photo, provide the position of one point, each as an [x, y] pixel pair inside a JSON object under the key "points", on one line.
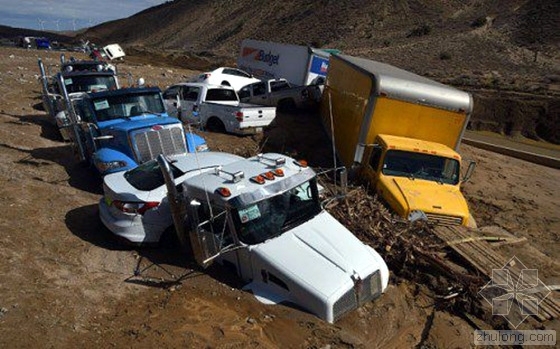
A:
{"points": [[223, 191], [258, 179], [279, 172], [268, 175]]}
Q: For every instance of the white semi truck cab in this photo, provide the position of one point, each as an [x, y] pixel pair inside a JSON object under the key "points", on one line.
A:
{"points": [[263, 217]]}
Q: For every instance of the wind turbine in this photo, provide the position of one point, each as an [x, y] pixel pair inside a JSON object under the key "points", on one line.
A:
{"points": [[57, 25], [74, 24], [41, 23]]}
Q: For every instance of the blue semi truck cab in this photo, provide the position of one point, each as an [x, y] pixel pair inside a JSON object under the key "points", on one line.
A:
{"points": [[116, 130]]}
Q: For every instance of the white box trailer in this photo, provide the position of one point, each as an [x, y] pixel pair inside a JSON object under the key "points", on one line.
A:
{"points": [[114, 51], [300, 65]]}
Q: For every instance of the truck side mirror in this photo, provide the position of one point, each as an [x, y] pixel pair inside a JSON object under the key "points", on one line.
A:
{"points": [[343, 179], [470, 171]]}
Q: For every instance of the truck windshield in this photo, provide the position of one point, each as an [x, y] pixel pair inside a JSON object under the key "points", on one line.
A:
{"points": [[125, 106], [422, 166], [271, 217], [89, 83], [148, 176]]}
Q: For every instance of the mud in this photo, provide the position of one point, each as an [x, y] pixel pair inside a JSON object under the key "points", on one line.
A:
{"points": [[66, 282]]}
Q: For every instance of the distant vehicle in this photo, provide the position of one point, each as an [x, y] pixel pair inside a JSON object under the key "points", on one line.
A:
{"points": [[300, 65], [135, 205], [226, 76], [216, 108], [76, 77], [400, 132], [113, 51], [73, 65], [43, 43], [281, 94], [109, 52], [34, 42]]}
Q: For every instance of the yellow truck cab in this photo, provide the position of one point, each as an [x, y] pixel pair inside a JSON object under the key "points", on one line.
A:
{"points": [[400, 131], [416, 176]]}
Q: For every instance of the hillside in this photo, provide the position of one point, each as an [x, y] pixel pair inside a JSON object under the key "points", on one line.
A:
{"points": [[448, 37], [505, 52]]}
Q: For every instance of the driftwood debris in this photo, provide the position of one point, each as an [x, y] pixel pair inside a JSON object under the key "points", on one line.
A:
{"points": [[429, 255]]}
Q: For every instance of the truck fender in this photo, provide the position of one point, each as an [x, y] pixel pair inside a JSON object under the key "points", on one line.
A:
{"points": [[215, 124], [107, 155], [264, 294]]}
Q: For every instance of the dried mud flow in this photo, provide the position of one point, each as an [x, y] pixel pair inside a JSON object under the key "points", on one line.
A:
{"points": [[67, 283]]}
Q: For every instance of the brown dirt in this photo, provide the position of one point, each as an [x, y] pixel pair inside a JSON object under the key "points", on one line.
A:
{"points": [[67, 283]]}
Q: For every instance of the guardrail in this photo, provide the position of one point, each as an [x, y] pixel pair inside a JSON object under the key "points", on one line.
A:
{"points": [[516, 153]]}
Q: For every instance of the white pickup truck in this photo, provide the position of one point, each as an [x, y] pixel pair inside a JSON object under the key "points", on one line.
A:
{"points": [[216, 108], [281, 94], [263, 217]]}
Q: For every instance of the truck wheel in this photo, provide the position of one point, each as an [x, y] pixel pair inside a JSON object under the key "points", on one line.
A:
{"points": [[215, 125], [286, 105]]}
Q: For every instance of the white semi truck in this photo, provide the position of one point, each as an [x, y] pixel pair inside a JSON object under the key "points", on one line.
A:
{"points": [[262, 216]]}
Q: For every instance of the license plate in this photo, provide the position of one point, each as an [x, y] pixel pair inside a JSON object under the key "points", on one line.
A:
{"points": [[259, 129]]}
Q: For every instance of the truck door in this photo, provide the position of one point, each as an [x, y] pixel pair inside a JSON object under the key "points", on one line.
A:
{"points": [[260, 95], [190, 105], [372, 164], [170, 97], [246, 93], [211, 224], [202, 230], [254, 93]]}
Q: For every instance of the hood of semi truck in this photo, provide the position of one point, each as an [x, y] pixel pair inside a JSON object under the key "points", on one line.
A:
{"points": [[319, 266], [443, 203], [137, 122]]}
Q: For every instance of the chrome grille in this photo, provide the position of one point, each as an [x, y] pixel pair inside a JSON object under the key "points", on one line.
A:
{"points": [[150, 143], [344, 304], [444, 219], [367, 290]]}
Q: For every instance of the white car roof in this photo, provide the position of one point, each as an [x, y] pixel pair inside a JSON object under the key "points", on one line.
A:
{"points": [[188, 163], [200, 84]]}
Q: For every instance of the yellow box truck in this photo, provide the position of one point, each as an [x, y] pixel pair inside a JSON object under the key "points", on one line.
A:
{"points": [[400, 131]]}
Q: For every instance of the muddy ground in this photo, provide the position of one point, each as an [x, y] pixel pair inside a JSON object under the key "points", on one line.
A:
{"points": [[66, 283]]}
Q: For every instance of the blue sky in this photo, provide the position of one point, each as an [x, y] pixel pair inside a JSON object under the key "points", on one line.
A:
{"points": [[67, 14]]}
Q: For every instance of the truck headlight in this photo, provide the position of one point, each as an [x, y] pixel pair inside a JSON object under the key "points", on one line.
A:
{"points": [[417, 215], [103, 167], [202, 147]]}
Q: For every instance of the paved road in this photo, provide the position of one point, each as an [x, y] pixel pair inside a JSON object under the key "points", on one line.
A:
{"points": [[533, 153]]}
